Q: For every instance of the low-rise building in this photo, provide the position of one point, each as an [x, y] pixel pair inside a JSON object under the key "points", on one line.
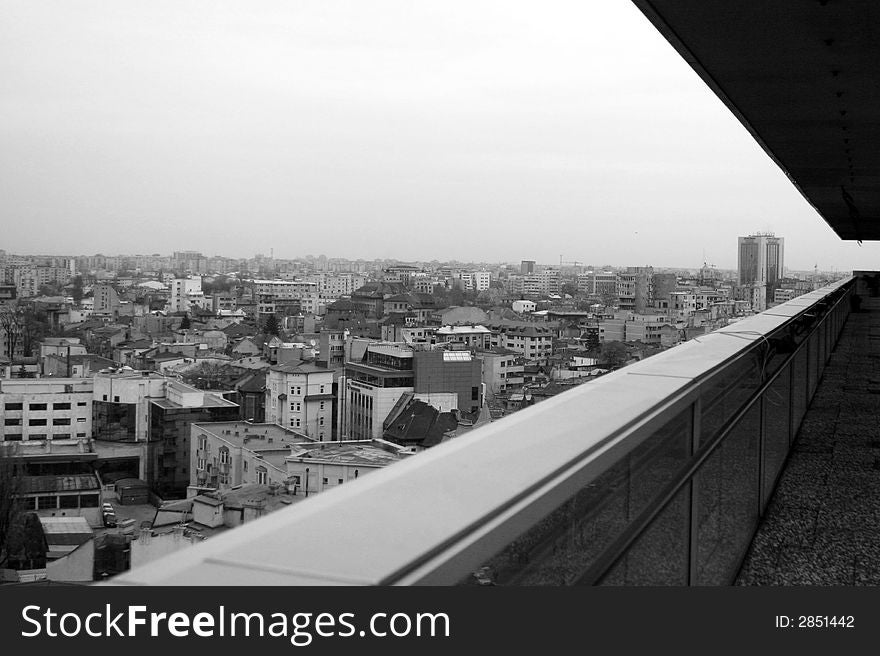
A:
{"points": [[532, 341], [46, 409], [502, 370], [227, 454], [314, 468], [300, 396]]}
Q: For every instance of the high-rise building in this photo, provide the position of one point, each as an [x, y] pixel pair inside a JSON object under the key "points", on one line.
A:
{"points": [[526, 267], [760, 259]]}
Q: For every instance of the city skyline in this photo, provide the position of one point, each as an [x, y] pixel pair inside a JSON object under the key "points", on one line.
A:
{"points": [[562, 264], [380, 131]]}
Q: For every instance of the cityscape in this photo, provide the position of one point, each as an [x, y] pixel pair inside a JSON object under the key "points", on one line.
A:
{"points": [[151, 402], [450, 295]]}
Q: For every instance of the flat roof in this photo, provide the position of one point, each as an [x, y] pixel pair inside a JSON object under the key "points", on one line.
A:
{"points": [[210, 401], [344, 453], [257, 435]]}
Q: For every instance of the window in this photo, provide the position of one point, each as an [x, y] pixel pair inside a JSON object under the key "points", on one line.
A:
{"points": [[475, 393], [61, 406], [297, 423], [340, 481], [69, 501], [324, 480], [37, 406], [12, 437], [202, 463], [14, 406], [61, 421], [12, 422], [105, 397], [262, 477], [47, 502], [37, 422], [321, 421], [62, 436], [322, 389], [322, 405], [82, 404], [115, 399], [88, 501], [81, 420], [80, 434], [245, 465]]}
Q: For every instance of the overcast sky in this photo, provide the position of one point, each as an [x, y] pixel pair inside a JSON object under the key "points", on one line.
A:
{"points": [[462, 129]]}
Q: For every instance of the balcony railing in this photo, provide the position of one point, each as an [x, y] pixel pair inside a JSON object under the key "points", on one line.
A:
{"points": [[656, 474]]}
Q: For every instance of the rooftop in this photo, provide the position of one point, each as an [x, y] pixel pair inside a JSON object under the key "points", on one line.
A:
{"points": [[209, 401], [72, 483], [255, 437], [49, 449], [368, 453], [299, 367]]}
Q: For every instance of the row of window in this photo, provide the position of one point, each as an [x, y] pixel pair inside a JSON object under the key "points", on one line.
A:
{"points": [[297, 407], [56, 421], [38, 407], [295, 422], [18, 437], [296, 390], [52, 502]]}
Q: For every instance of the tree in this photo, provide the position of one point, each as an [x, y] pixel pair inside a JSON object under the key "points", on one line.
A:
{"points": [[185, 324], [609, 298], [614, 354], [34, 326], [77, 291], [26, 543], [207, 375], [10, 503], [10, 330], [271, 327], [50, 289]]}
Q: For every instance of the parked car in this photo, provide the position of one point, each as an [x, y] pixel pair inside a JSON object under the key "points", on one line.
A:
{"points": [[109, 519]]}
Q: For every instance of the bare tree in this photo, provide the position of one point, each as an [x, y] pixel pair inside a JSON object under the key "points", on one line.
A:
{"points": [[10, 323]]}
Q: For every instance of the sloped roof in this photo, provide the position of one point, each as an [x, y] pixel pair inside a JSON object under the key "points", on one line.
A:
{"points": [[420, 423], [252, 382]]}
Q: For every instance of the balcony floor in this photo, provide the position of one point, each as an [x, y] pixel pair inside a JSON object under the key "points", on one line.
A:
{"points": [[822, 525]]}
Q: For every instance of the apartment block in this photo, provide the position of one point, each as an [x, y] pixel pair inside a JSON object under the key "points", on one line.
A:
{"points": [[45, 409], [300, 396]]}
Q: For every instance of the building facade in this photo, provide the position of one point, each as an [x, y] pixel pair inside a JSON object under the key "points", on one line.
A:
{"points": [[300, 397]]}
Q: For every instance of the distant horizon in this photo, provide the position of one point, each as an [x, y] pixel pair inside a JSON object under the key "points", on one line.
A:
{"points": [[565, 265]]}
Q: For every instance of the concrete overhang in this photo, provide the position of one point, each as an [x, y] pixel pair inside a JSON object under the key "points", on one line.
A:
{"points": [[804, 79]]}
